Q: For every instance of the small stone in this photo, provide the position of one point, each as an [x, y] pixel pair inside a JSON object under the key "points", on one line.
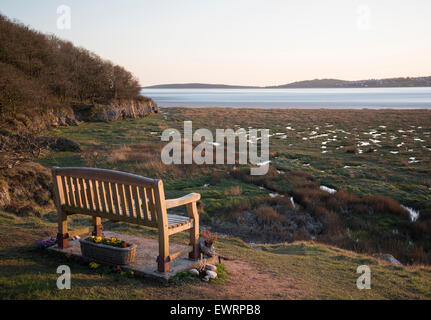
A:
{"points": [[206, 279], [211, 274], [391, 259], [211, 267], [194, 272]]}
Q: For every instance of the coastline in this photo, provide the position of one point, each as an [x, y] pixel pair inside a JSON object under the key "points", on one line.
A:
{"points": [[344, 98]]}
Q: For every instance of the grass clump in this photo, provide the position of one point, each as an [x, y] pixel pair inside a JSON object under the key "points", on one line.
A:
{"points": [[222, 274]]}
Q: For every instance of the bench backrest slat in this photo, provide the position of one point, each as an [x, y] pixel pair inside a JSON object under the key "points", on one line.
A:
{"points": [[138, 202], [64, 191], [144, 199], [115, 198], [113, 193]]}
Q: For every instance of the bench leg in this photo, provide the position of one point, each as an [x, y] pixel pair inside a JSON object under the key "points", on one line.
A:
{"points": [[194, 231], [163, 259], [97, 226], [62, 235]]}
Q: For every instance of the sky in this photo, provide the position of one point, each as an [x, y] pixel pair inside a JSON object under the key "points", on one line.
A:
{"points": [[243, 42]]}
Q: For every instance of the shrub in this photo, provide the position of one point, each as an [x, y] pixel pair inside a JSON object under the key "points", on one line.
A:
{"points": [[267, 214], [360, 209], [216, 176], [284, 202], [310, 197], [233, 191], [210, 238], [300, 234], [342, 201], [385, 205], [351, 149]]}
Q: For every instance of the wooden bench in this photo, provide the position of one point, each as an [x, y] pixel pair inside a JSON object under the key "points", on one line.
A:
{"points": [[120, 196]]}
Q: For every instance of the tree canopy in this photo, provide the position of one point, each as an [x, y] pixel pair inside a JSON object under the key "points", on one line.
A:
{"points": [[38, 70]]}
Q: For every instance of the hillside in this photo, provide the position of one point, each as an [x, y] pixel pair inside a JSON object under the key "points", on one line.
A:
{"points": [[288, 204], [47, 82], [371, 83], [43, 78], [316, 83]]}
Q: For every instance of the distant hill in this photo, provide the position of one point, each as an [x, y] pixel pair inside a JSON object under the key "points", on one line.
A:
{"points": [[197, 86], [372, 83], [316, 83]]}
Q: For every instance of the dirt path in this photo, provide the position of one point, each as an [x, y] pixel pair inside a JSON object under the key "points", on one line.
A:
{"points": [[247, 282]]}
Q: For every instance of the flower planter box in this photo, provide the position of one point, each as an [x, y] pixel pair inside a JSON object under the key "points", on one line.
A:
{"points": [[107, 254]]}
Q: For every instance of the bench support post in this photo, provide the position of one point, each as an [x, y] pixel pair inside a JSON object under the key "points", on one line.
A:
{"points": [[163, 264], [163, 259], [63, 239], [194, 231], [97, 227], [62, 235]]}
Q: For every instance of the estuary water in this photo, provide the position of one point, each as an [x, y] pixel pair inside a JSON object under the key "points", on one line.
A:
{"points": [[339, 98]]}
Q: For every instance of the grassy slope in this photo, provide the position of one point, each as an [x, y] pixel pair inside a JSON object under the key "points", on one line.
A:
{"points": [[310, 270], [134, 146]]}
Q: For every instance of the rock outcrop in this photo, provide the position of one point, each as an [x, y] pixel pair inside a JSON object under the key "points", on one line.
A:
{"points": [[116, 110], [59, 144], [24, 183]]}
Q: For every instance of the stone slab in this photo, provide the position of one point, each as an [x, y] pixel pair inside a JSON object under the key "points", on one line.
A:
{"points": [[146, 253]]}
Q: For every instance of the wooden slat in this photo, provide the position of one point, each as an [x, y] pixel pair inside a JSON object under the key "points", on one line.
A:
{"points": [[138, 203], [152, 204], [83, 195], [102, 194], [179, 228], [144, 198], [129, 200], [192, 197], [115, 198], [96, 197], [64, 189], [73, 210], [108, 193], [177, 219], [90, 196], [106, 175], [75, 184], [60, 189], [122, 198], [70, 191]]}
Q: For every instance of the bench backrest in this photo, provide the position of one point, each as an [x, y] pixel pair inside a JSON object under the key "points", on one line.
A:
{"points": [[110, 194]]}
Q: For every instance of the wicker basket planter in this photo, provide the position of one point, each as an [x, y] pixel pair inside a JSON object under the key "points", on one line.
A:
{"points": [[107, 254]]}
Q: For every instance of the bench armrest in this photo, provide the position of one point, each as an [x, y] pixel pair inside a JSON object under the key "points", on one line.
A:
{"points": [[191, 197]]}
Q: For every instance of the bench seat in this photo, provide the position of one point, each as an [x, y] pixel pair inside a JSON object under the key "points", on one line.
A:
{"points": [[176, 221]]}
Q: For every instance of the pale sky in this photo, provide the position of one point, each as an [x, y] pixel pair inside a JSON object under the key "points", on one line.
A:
{"points": [[245, 42]]}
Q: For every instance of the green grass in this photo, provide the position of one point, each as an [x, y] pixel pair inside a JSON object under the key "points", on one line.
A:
{"points": [[377, 172], [313, 271], [134, 145]]}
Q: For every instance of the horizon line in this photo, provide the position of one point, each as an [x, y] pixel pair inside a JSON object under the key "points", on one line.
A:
{"points": [[284, 84]]}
